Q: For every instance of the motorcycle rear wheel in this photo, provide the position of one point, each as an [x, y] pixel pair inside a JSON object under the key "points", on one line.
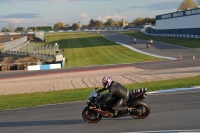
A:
{"points": [[142, 109], [91, 116]]}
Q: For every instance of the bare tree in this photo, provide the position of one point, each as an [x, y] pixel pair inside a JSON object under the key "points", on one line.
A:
{"points": [[4, 29], [187, 4], [10, 26]]}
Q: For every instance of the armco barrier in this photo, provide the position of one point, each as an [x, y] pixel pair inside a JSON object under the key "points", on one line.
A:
{"points": [[44, 67]]}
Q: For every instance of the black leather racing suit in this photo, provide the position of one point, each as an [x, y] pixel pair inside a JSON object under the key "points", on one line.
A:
{"points": [[118, 91]]}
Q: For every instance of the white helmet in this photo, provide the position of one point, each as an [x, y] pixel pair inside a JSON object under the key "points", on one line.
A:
{"points": [[106, 81]]}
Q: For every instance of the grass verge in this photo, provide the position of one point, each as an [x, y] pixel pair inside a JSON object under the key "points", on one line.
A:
{"points": [[186, 42], [89, 49], [28, 100]]}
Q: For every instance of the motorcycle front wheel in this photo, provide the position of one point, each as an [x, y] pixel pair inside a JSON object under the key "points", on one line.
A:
{"points": [[141, 109], [90, 115]]}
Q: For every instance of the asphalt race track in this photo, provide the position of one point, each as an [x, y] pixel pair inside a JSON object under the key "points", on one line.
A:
{"points": [[169, 111], [158, 48], [177, 111]]}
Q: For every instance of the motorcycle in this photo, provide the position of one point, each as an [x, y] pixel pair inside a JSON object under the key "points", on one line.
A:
{"points": [[94, 111]]}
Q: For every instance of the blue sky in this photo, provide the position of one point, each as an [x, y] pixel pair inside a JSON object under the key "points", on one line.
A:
{"points": [[25, 13]]}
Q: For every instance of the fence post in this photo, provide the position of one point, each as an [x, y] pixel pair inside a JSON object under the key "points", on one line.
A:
{"points": [[46, 50], [55, 49], [50, 51], [63, 62]]}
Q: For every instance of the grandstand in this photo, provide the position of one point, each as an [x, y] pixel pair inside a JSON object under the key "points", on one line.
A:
{"points": [[180, 22], [5, 40]]}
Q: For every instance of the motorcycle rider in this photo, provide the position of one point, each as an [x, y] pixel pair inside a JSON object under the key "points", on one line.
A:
{"points": [[151, 41], [134, 40], [115, 90]]}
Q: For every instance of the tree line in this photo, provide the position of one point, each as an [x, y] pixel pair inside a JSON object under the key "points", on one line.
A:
{"points": [[23, 29], [110, 23], [93, 24]]}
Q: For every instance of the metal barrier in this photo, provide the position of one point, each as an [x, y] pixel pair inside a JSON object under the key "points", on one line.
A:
{"points": [[173, 35], [45, 51], [13, 44]]}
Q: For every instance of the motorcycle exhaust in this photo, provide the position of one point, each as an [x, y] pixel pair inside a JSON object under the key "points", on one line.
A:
{"points": [[103, 113], [144, 95]]}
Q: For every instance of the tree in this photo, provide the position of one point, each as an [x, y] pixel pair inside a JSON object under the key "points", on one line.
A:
{"points": [[24, 29], [187, 4], [95, 24], [58, 26], [75, 26], [19, 29], [67, 25], [120, 23], [84, 26], [146, 20], [44, 28], [142, 21], [109, 22], [116, 24], [99, 24], [92, 23], [40, 28], [35, 29], [153, 21], [4, 29], [138, 21]]}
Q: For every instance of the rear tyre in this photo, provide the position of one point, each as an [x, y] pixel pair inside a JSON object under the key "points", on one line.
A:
{"points": [[91, 116], [141, 109]]}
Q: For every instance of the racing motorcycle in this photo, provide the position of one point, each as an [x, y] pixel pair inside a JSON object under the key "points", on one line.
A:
{"points": [[94, 111]]}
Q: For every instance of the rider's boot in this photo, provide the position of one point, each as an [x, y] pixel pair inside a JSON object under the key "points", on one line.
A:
{"points": [[116, 112], [130, 109], [111, 114]]}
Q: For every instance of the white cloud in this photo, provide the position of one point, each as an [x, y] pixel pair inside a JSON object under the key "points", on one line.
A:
{"points": [[114, 17], [15, 20], [84, 15], [19, 20]]}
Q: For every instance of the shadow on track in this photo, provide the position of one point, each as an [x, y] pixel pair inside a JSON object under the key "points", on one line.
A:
{"points": [[62, 122], [41, 123]]}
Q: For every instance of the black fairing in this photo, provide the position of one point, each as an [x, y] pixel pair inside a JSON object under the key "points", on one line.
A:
{"points": [[111, 102]]}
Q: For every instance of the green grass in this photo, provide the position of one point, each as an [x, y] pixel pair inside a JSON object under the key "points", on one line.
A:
{"points": [[186, 42], [27, 100], [87, 49]]}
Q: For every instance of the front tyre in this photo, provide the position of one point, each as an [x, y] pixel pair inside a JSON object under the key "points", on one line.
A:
{"points": [[90, 115], [141, 109]]}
